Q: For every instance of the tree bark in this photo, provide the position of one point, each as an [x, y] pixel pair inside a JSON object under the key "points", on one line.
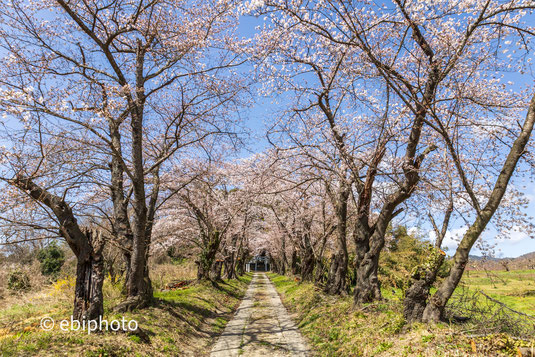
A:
{"points": [[88, 298], [295, 263], [336, 280], [215, 271], [230, 272], [423, 279], [120, 222], [307, 258], [243, 253], [425, 275], [207, 257], [230, 257]]}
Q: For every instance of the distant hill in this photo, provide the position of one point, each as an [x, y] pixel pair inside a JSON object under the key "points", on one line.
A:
{"points": [[526, 261], [479, 258], [527, 256]]}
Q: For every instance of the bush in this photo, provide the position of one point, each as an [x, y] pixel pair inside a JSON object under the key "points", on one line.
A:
{"points": [[18, 281], [404, 253], [51, 259]]}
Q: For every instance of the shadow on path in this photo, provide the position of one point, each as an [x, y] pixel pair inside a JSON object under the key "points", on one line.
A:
{"points": [[261, 326]]}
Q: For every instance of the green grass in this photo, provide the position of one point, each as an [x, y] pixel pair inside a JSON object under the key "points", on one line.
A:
{"points": [[334, 328], [516, 289], [178, 322]]}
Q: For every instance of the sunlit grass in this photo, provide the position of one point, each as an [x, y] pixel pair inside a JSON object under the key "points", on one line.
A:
{"points": [[178, 322], [516, 288]]}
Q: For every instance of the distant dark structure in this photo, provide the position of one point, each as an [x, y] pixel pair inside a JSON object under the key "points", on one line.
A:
{"points": [[259, 262]]}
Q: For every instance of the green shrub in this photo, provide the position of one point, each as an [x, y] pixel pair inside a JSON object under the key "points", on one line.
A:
{"points": [[51, 259], [18, 281], [403, 253]]}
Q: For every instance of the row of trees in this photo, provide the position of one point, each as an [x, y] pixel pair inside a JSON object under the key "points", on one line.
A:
{"points": [[397, 105], [120, 116], [101, 100]]}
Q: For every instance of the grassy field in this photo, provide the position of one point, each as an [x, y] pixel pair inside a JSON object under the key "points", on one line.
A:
{"points": [[180, 322], [516, 288], [334, 328]]}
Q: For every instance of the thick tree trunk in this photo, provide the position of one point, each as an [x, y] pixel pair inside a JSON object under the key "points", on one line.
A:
{"points": [[319, 272], [434, 310], [88, 298], [336, 280], [241, 261], [230, 257], [367, 288], [215, 271], [139, 287], [284, 261], [306, 254], [423, 279], [207, 257], [295, 263], [120, 222], [307, 265], [230, 272]]}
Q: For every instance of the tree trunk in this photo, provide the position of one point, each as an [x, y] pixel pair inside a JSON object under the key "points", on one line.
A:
{"points": [[120, 223], [307, 264], [88, 298], [139, 288], [284, 261], [206, 260], [319, 265], [295, 263], [423, 279], [230, 257], [215, 271], [336, 281], [242, 259], [367, 288], [230, 272], [424, 276], [434, 310]]}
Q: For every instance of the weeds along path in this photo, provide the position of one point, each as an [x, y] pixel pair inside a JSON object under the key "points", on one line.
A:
{"points": [[261, 326]]}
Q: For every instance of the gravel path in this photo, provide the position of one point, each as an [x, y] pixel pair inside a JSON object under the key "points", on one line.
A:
{"points": [[261, 326]]}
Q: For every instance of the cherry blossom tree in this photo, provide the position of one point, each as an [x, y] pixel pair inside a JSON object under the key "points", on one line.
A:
{"points": [[134, 79], [434, 67]]}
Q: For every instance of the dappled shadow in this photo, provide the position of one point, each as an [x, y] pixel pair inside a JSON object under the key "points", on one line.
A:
{"points": [[261, 326], [175, 307]]}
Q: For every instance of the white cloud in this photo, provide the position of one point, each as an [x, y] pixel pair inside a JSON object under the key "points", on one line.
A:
{"points": [[451, 240], [514, 236], [413, 230]]}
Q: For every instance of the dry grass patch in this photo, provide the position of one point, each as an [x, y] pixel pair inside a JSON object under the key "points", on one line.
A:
{"points": [[182, 322]]}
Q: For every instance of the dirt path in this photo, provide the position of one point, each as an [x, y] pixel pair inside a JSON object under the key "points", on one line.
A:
{"points": [[261, 326]]}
